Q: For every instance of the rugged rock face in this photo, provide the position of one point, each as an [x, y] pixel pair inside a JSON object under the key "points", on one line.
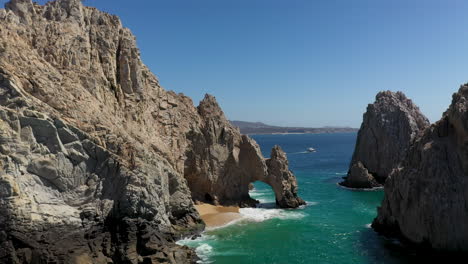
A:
{"points": [[426, 198], [95, 155], [221, 164], [64, 198], [282, 180], [390, 126]]}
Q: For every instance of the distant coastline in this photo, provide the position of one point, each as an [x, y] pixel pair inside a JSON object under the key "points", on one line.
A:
{"points": [[259, 128]]}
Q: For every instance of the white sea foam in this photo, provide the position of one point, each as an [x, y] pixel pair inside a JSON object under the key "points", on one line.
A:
{"points": [[263, 214], [225, 225], [369, 225], [190, 241], [202, 249], [204, 252], [341, 173], [260, 192], [263, 196]]}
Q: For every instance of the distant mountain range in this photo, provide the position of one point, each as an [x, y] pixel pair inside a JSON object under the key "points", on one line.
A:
{"points": [[262, 128]]}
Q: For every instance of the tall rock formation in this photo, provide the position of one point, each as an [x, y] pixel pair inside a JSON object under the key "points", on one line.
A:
{"points": [[426, 198], [390, 126], [98, 163], [221, 163], [282, 180]]}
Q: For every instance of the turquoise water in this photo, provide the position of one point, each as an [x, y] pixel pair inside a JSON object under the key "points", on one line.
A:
{"points": [[333, 228]]}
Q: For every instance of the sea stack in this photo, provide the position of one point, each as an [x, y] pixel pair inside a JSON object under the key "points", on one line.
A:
{"points": [[390, 125], [98, 162], [426, 198]]}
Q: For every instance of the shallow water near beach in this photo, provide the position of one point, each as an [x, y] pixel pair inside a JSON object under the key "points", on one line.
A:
{"points": [[333, 228]]}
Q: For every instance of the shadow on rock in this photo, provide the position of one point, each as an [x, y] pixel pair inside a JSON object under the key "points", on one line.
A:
{"points": [[379, 249]]}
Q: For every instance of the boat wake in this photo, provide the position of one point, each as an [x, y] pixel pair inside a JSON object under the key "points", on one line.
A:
{"points": [[301, 152]]}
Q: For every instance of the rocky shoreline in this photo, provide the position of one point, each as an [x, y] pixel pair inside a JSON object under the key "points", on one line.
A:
{"points": [[425, 197], [98, 162]]}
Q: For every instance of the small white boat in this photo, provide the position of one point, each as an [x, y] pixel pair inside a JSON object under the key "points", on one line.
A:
{"points": [[311, 150]]}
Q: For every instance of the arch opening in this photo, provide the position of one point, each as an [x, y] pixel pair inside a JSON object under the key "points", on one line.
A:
{"points": [[263, 193]]}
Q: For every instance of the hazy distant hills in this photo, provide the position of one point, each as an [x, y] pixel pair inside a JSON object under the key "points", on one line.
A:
{"points": [[261, 128]]}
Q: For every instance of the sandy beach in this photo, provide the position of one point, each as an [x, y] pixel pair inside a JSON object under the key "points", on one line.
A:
{"points": [[215, 216]]}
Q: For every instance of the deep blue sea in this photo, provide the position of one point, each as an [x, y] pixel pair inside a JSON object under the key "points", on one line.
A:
{"points": [[333, 228]]}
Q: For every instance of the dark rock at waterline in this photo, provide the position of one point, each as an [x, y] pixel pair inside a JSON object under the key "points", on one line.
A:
{"points": [[359, 177], [121, 241], [426, 198], [390, 126]]}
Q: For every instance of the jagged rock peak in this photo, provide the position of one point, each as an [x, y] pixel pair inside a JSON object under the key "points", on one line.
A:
{"points": [[58, 10], [209, 107], [278, 153], [390, 125], [399, 100], [425, 199], [282, 180], [222, 163]]}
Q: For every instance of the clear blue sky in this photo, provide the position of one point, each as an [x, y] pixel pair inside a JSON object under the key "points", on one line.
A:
{"points": [[302, 62]]}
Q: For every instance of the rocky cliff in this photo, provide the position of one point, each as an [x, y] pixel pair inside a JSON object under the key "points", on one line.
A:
{"points": [[221, 163], [390, 126], [426, 198], [99, 163]]}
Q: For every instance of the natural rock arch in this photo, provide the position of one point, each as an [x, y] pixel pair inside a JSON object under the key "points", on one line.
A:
{"points": [[221, 163], [281, 179]]}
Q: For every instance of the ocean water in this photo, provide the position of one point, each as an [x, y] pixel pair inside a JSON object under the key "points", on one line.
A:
{"points": [[334, 227]]}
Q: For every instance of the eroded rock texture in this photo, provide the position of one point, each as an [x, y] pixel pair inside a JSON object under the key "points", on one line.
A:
{"points": [[221, 163], [282, 180], [426, 199], [95, 155], [65, 198], [390, 126]]}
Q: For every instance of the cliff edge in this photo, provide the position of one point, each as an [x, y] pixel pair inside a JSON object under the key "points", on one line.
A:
{"points": [[99, 163], [425, 199]]}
